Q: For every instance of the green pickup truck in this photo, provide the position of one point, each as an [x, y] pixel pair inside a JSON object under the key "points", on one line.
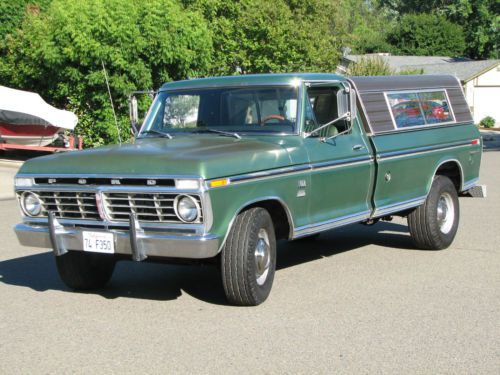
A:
{"points": [[224, 167]]}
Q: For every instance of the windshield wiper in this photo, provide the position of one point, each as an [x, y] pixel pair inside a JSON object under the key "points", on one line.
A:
{"points": [[222, 132], [157, 132]]}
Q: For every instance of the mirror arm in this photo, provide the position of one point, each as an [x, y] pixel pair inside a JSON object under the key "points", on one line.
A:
{"points": [[346, 116], [336, 135]]}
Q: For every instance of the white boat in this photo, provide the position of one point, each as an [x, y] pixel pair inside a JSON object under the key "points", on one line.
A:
{"points": [[26, 119]]}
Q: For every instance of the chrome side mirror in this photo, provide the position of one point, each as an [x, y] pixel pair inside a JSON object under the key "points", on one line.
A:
{"points": [[353, 105], [134, 114]]}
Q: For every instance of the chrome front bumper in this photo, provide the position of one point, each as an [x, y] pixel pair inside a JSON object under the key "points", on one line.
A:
{"points": [[137, 242]]}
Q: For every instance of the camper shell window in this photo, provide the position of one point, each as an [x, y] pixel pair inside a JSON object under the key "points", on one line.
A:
{"points": [[419, 108], [380, 98]]}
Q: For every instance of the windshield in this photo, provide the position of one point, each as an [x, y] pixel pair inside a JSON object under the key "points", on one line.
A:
{"points": [[238, 110]]}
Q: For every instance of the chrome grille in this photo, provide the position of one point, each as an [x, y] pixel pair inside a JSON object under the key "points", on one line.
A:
{"points": [[154, 207], [69, 204]]}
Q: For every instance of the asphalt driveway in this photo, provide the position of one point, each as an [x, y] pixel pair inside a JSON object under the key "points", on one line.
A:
{"points": [[357, 300]]}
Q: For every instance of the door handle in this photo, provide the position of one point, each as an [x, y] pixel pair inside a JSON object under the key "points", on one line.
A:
{"points": [[358, 147]]}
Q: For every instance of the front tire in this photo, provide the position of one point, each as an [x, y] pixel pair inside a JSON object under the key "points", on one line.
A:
{"points": [[248, 259], [85, 271], [434, 224]]}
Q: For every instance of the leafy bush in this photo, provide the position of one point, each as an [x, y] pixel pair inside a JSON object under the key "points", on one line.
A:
{"points": [[370, 66], [487, 122], [59, 54], [427, 35]]}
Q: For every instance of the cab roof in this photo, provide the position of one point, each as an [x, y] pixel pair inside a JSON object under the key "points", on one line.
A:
{"points": [[255, 79]]}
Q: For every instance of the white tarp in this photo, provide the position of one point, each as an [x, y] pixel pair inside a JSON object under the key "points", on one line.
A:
{"points": [[28, 108]]}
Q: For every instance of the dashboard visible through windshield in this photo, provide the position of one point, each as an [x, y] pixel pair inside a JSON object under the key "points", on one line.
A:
{"points": [[227, 109]]}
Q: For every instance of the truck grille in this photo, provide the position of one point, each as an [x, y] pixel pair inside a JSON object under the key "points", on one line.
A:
{"points": [[156, 207], [69, 204], [148, 207]]}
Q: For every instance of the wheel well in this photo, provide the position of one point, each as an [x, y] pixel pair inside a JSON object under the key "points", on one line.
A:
{"points": [[279, 216], [451, 169]]}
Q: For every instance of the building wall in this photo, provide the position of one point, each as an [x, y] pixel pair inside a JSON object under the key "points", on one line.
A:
{"points": [[483, 95]]}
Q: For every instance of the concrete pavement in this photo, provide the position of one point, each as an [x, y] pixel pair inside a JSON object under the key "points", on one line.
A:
{"points": [[357, 300]]}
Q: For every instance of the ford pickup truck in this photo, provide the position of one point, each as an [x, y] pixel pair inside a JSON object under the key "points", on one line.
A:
{"points": [[224, 167]]}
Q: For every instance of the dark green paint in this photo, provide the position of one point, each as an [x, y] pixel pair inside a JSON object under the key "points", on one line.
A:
{"points": [[329, 193]]}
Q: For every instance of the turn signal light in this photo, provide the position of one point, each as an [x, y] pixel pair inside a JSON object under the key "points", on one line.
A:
{"points": [[219, 183]]}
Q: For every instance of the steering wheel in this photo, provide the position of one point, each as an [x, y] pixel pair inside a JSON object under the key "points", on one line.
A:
{"points": [[271, 117]]}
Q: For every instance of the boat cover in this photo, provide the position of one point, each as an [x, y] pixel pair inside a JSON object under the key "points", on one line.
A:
{"points": [[28, 108]]}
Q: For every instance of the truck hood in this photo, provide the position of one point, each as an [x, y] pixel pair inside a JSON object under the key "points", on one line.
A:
{"points": [[208, 156]]}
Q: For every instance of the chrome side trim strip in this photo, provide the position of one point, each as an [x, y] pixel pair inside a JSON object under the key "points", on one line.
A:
{"points": [[469, 184], [421, 150], [329, 224], [298, 169], [341, 163], [396, 207], [269, 173]]}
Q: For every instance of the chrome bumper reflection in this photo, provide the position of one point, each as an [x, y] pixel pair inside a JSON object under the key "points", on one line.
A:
{"points": [[139, 244]]}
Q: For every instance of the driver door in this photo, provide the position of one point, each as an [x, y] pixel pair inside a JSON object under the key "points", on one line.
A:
{"points": [[342, 167]]}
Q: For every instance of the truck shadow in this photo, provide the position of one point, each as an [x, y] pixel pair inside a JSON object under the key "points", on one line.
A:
{"points": [[164, 282]]}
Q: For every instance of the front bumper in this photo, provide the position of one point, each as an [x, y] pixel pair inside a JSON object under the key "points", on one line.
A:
{"points": [[137, 243]]}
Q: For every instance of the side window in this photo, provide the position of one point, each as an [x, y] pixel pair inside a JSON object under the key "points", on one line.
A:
{"points": [[322, 109], [422, 108]]}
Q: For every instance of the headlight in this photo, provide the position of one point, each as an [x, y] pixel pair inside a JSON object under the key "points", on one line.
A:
{"points": [[31, 204], [186, 208]]}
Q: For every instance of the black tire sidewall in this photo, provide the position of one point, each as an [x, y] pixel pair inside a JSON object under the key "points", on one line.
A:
{"points": [[262, 221], [440, 185]]}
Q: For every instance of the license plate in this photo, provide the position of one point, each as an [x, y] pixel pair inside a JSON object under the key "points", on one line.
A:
{"points": [[98, 242]]}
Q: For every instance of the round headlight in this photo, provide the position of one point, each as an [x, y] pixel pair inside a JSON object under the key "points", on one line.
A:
{"points": [[187, 208], [32, 204]]}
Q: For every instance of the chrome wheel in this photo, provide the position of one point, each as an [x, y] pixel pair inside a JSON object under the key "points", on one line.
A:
{"points": [[445, 213], [262, 257]]}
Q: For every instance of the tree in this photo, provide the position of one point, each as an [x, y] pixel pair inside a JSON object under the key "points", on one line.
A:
{"points": [[427, 34], [478, 18], [366, 26], [59, 54], [257, 36], [12, 13]]}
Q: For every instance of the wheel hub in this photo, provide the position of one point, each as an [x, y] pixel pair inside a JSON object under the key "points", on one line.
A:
{"points": [[445, 213], [262, 257]]}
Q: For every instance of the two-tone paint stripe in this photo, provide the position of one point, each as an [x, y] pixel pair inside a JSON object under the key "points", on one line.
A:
{"points": [[427, 149], [297, 169]]}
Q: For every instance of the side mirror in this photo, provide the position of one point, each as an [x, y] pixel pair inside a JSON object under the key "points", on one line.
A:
{"points": [[354, 109], [134, 113], [343, 99]]}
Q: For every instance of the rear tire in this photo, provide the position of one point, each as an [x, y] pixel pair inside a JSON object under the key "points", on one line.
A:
{"points": [[434, 224], [85, 271], [248, 259]]}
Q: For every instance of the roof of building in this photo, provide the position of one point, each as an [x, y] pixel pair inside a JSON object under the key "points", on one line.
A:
{"points": [[463, 68]]}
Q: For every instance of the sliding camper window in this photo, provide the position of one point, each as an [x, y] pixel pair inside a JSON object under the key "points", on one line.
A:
{"points": [[419, 108]]}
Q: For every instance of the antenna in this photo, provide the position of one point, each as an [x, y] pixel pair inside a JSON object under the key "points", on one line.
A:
{"points": [[111, 100]]}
